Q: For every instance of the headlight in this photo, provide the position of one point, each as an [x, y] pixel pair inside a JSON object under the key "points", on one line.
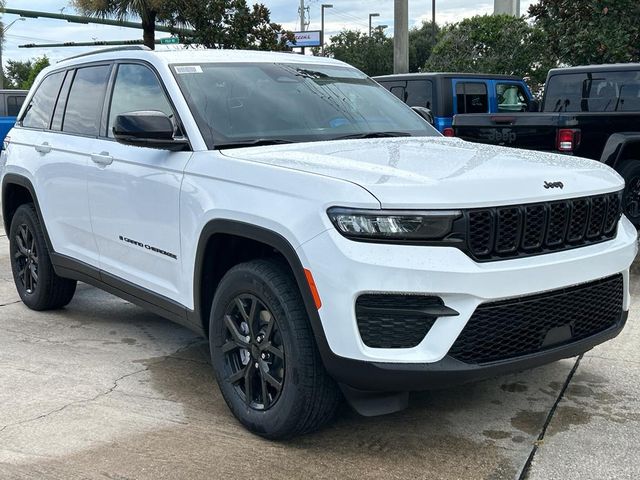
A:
{"points": [[393, 225]]}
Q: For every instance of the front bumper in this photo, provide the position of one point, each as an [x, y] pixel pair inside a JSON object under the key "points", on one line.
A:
{"points": [[344, 269], [448, 372]]}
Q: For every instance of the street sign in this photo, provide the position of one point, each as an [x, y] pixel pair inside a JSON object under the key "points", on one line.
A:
{"points": [[307, 39], [169, 41]]}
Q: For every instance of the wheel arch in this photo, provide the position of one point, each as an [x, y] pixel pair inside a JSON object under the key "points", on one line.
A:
{"points": [[621, 147], [243, 233], [18, 190]]}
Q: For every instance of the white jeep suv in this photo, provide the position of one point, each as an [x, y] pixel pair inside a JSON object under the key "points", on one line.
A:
{"points": [[323, 236]]}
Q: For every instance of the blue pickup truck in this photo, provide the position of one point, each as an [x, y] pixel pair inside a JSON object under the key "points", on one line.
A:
{"points": [[10, 104], [448, 94]]}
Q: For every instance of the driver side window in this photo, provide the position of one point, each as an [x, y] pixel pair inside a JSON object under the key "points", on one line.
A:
{"points": [[136, 89]]}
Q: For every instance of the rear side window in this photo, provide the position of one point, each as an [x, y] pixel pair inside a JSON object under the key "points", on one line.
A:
{"points": [[564, 93], [86, 98], [40, 109], [137, 89], [419, 93], [398, 88], [472, 97], [594, 92], [629, 93], [58, 113], [14, 104]]}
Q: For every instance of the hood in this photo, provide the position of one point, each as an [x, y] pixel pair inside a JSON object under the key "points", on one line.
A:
{"points": [[438, 172]]}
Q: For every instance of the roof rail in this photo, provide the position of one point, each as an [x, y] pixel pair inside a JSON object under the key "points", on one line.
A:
{"points": [[107, 50]]}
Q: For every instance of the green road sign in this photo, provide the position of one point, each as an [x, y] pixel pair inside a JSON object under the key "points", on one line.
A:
{"points": [[169, 41]]}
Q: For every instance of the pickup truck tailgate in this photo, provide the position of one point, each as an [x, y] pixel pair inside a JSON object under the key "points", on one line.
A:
{"points": [[535, 131]]}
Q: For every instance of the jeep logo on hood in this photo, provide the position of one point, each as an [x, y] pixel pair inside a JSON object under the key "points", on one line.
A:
{"points": [[548, 185]]}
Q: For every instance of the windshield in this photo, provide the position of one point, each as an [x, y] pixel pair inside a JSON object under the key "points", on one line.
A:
{"points": [[265, 103]]}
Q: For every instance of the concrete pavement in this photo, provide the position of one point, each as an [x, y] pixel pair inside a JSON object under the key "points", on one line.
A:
{"points": [[105, 390]]}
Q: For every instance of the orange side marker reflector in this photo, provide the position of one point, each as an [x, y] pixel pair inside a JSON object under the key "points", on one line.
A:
{"points": [[313, 288]]}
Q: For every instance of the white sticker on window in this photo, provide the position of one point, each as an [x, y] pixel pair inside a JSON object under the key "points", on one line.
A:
{"points": [[184, 69]]}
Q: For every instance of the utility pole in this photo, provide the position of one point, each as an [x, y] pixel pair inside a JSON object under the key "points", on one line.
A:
{"points": [[509, 7], [433, 20], [304, 21], [322, 7], [401, 37]]}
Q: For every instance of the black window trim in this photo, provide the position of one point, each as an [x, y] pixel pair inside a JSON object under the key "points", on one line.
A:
{"points": [[108, 94], [71, 73], [65, 71], [30, 97], [106, 110], [64, 115]]}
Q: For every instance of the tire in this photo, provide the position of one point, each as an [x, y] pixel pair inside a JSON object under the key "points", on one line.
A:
{"points": [[308, 398], [630, 171], [37, 283]]}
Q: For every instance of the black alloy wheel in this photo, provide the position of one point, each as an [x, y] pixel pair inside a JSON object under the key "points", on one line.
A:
{"points": [[254, 352], [264, 355], [26, 258], [37, 283]]}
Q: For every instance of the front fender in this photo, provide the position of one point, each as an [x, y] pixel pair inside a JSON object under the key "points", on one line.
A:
{"points": [[615, 147]]}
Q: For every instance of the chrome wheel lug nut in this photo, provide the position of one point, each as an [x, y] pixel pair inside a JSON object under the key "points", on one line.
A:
{"points": [[263, 356], [257, 365]]}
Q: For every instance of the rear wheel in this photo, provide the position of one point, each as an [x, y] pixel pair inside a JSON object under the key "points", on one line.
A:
{"points": [[630, 171], [37, 283], [264, 354]]}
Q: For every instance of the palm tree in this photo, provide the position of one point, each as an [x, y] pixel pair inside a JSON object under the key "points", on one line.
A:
{"points": [[147, 10]]}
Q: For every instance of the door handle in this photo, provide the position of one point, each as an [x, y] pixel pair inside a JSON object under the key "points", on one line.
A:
{"points": [[103, 159], [44, 148]]}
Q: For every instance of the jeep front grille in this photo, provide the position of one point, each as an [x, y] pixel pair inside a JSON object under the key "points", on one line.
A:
{"points": [[523, 230]]}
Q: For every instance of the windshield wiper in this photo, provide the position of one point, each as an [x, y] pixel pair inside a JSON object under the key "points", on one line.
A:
{"points": [[258, 142], [373, 135]]}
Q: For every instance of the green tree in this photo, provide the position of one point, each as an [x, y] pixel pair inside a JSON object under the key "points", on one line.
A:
{"points": [[39, 64], [583, 32], [421, 43], [499, 44], [226, 24], [147, 10], [21, 74], [371, 54]]}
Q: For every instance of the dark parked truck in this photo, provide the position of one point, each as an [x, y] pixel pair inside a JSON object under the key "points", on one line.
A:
{"points": [[449, 94], [10, 104], [591, 112]]}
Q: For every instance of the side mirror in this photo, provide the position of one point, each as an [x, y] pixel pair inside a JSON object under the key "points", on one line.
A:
{"points": [[424, 113], [534, 106], [149, 129]]}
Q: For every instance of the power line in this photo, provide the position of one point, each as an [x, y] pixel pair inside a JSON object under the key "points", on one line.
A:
{"points": [[349, 18], [30, 37]]}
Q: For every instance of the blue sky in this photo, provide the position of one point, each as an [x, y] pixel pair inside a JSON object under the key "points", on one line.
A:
{"points": [[345, 14]]}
